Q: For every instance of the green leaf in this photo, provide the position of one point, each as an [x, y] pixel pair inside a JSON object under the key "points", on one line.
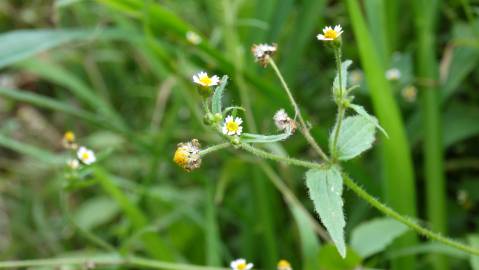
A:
{"points": [[474, 241], [355, 136], [326, 189], [259, 138], [361, 111], [95, 212], [367, 241], [344, 76], [309, 242], [329, 259], [218, 95]]}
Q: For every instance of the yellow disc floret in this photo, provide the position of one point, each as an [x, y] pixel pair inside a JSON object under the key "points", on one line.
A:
{"points": [[284, 265], [187, 155]]}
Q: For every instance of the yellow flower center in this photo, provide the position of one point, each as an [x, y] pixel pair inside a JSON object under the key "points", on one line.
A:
{"points": [[241, 266], [205, 80], [85, 156], [232, 126], [181, 157], [284, 264], [69, 136], [330, 33]]}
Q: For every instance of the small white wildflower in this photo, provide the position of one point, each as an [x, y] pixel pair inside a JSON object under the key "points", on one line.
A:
{"points": [[393, 74], [241, 264], [409, 93], [284, 265], [68, 140], [232, 126], [356, 77], [187, 155], [284, 122], [73, 164], [86, 155], [203, 79], [261, 52], [193, 38], [330, 34]]}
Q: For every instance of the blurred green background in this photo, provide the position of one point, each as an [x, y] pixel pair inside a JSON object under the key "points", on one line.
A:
{"points": [[118, 74]]}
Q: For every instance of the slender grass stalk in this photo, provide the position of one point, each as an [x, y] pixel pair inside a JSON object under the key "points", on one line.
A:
{"points": [[104, 261], [399, 184], [427, 69], [304, 128]]}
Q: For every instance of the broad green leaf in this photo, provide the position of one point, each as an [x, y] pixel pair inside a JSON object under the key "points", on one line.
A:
{"points": [[95, 212], [259, 138], [355, 136], [367, 241], [329, 259], [344, 76], [474, 241], [216, 106], [361, 111], [326, 189]]}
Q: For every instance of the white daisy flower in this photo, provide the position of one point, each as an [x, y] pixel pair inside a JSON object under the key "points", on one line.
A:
{"points": [[241, 264], [330, 34], [73, 164], [86, 155], [284, 265], [232, 126], [393, 74], [193, 38], [203, 79]]}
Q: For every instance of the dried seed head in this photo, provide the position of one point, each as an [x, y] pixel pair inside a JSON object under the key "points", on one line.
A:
{"points": [[284, 122], [262, 52], [187, 155]]}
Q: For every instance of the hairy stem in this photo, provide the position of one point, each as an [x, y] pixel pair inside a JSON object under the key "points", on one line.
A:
{"points": [[214, 148], [304, 128], [367, 197], [340, 115]]}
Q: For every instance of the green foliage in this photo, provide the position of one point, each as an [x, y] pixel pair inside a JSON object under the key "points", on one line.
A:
{"points": [[375, 235], [216, 106], [355, 136], [329, 259], [326, 190]]}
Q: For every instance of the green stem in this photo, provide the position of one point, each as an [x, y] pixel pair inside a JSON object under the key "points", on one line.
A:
{"points": [[214, 148], [304, 128], [367, 197], [119, 261], [339, 101], [263, 154]]}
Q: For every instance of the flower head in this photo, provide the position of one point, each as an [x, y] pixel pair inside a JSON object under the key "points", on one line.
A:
{"points": [[409, 93], [193, 38], [204, 80], [86, 156], [284, 122], [356, 77], [241, 264], [262, 52], [187, 155], [393, 74], [68, 140], [330, 33], [73, 164], [284, 265], [232, 126]]}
